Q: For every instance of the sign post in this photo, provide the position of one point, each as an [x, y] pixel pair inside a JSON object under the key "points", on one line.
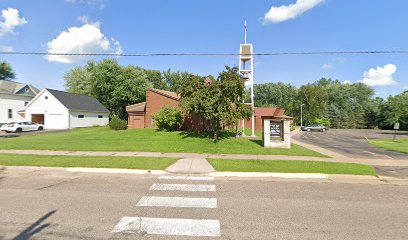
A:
{"points": [[396, 127]]}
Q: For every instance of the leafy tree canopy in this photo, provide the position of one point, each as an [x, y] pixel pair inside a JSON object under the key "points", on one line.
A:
{"points": [[6, 72], [217, 101]]}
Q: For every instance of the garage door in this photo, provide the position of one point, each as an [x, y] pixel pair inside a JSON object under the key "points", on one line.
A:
{"points": [[37, 118]]}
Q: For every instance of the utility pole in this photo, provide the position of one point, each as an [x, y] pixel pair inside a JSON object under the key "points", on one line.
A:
{"points": [[301, 114]]}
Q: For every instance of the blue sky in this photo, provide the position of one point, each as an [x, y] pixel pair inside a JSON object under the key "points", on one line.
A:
{"points": [[213, 26]]}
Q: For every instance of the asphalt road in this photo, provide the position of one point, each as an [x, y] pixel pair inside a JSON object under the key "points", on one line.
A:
{"points": [[353, 143], [61, 205]]}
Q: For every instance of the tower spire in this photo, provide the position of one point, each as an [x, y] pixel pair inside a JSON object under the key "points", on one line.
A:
{"points": [[245, 27]]}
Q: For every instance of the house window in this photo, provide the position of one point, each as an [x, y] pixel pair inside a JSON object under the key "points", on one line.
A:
{"points": [[10, 113], [46, 97], [81, 116], [100, 116]]}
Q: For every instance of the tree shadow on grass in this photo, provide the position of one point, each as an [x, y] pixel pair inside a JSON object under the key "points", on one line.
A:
{"points": [[35, 228], [257, 141], [207, 135]]}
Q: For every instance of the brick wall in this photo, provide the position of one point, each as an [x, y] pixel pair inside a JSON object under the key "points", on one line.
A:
{"points": [[136, 120], [154, 102], [248, 124]]}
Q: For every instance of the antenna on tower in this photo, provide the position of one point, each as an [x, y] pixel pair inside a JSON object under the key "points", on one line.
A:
{"points": [[245, 27]]}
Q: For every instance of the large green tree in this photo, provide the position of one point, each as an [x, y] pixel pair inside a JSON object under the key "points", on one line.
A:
{"points": [[174, 80], [282, 95], [217, 101], [315, 99], [156, 78], [113, 85], [6, 72], [394, 110]]}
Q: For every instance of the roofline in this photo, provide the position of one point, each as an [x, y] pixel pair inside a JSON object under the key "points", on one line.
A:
{"points": [[21, 95], [78, 110], [32, 100], [163, 94], [38, 95]]}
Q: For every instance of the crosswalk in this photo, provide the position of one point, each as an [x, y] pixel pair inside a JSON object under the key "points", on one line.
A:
{"points": [[164, 196]]}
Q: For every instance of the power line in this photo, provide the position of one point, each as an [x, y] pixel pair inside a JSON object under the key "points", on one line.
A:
{"points": [[204, 54]]}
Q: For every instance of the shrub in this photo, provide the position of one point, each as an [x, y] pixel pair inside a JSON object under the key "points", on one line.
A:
{"points": [[117, 124], [168, 118]]}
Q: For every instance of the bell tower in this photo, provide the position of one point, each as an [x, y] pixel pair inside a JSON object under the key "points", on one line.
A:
{"points": [[246, 70]]}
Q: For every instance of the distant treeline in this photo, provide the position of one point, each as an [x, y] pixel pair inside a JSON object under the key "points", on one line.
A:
{"points": [[335, 104], [326, 101]]}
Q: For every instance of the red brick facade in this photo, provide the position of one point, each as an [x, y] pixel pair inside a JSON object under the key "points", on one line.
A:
{"points": [[140, 115], [154, 102]]}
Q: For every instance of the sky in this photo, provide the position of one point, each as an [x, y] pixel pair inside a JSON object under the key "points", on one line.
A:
{"points": [[212, 26]]}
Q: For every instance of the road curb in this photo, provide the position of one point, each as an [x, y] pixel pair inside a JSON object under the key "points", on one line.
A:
{"points": [[269, 174], [113, 170]]}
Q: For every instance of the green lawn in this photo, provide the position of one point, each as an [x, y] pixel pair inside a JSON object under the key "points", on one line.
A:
{"points": [[232, 165], [86, 161], [399, 145], [146, 140]]}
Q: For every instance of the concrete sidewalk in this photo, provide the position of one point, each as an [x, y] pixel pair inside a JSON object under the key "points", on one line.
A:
{"points": [[336, 158], [191, 166]]}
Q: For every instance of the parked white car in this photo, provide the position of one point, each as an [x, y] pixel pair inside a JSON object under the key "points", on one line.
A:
{"points": [[21, 127]]}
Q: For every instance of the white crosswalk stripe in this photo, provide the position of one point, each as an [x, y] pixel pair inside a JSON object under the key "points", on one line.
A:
{"points": [[183, 187], [169, 226], [181, 202], [192, 178], [174, 226]]}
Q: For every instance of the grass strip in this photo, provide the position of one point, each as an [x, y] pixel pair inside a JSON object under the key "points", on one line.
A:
{"points": [[399, 145], [147, 140], [282, 166], [147, 163]]}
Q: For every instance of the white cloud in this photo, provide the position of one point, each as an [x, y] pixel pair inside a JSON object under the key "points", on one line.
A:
{"points": [[85, 39], [346, 82], [83, 19], [11, 20], [6, 49], [284, 13], [333, 62], [99, 3], [380, 76], [327, 66]]}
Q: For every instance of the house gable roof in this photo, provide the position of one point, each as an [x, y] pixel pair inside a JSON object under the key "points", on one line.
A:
{"points": [[78, 102], [11, 87]]}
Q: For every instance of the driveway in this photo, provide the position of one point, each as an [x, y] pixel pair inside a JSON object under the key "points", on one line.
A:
{"points": [[4, 134], [353, 143]]}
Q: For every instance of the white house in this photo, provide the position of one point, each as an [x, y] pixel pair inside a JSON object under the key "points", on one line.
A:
{"points": [[14, 97], [61, 110]]}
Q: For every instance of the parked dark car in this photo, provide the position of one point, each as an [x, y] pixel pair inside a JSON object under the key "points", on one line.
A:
{"points": [[314, 127]]}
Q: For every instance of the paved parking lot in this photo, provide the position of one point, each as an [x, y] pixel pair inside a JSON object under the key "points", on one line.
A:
{"points": [[353, 143]]}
